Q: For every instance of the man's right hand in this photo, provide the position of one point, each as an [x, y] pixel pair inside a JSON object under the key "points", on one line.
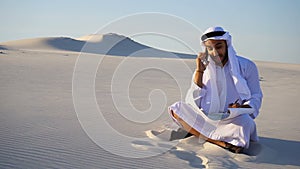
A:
{"points": [[200, 65], [200, 69]]}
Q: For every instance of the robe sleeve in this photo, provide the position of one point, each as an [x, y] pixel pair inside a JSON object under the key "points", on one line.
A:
{"points": [[252, 78], [195, 94]]}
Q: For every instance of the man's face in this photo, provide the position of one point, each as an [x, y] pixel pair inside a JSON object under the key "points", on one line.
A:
{"points": [[217, 49]]}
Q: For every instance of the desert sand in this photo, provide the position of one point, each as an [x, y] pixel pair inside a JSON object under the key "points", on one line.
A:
{"points": [[39, 127]]}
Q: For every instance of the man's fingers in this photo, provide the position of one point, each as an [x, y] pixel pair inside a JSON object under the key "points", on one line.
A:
{"points": [[201, 55]]}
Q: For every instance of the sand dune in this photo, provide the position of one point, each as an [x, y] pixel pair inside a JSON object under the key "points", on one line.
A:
{"points": [[39, 127], [2, 48], [110, 44], [61, 43]]}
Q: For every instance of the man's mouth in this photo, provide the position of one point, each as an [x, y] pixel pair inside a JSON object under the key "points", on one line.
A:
{"points": [[218, 58]]}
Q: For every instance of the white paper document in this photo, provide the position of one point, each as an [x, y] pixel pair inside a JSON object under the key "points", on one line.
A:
{"points": [[238, 111]]}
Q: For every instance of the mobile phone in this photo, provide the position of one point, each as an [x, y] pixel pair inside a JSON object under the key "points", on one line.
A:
{"points": [[204, 59]]}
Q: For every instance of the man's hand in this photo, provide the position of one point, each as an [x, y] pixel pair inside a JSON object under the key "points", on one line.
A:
{"points": [[201, 65], [236, 104]]}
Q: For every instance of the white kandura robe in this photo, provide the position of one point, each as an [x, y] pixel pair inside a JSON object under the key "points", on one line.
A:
{"points": [[238, 130]]}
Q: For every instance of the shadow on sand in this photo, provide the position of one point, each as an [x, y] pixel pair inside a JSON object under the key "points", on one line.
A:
{"points": [[276, 151]]}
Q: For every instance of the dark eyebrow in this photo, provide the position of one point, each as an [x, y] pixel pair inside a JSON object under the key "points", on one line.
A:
{"points": [[219, 43]]}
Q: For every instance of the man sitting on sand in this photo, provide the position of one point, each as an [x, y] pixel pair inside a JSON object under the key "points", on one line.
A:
{"points": [[222, 81]]}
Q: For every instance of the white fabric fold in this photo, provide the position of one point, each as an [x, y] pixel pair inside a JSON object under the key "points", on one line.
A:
{"points": [[218, 92]]}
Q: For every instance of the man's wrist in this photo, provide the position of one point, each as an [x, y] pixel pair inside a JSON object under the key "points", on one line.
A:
{"points": [[200, 71]]}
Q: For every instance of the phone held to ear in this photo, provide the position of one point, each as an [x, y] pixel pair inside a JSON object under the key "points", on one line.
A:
{"points": [[204, 59]]}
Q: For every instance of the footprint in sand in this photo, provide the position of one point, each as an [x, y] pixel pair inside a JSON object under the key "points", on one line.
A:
{"points": [[181, 149], [191, 157], [157, 142]]}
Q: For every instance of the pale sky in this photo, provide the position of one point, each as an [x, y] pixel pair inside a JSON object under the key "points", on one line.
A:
{"points": [[261, 29]]}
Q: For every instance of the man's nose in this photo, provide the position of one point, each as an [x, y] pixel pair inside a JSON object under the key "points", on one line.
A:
{"points": [[215, 52]]}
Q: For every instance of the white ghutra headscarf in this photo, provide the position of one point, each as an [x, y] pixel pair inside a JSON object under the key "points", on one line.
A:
{"points": [[218, 97]]}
